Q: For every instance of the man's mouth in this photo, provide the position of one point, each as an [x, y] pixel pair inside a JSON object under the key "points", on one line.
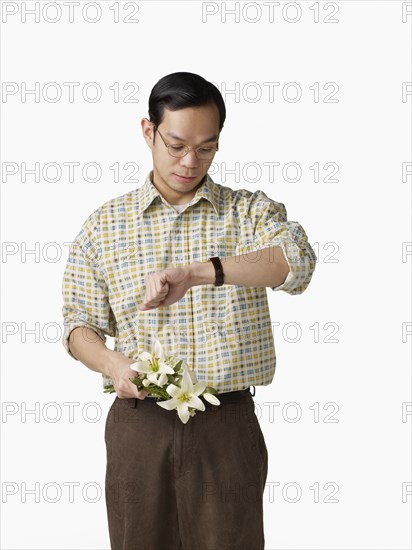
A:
{"points": [[184, 179]]}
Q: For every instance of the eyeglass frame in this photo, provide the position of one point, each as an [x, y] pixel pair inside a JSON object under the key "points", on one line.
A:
{"points": [[187, 148]]}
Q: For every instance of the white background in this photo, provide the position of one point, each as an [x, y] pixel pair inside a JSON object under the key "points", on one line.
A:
{"points": [[357, 450]]}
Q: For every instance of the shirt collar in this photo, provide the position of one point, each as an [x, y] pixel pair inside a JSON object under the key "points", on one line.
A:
{"points": [[208, 190]]}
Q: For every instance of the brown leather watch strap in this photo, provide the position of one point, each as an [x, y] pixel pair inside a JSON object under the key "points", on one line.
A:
{"points": [[218, 270]]}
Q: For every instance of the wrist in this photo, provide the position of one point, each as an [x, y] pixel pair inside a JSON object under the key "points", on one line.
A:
{"points": [[108, 360], [201, 273]]}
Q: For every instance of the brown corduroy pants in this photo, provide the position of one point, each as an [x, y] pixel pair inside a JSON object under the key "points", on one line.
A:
{"points": [[194, 486]]}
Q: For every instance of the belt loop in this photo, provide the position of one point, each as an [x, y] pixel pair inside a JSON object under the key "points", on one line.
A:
{"points": [[134, 404], [254, 391]]}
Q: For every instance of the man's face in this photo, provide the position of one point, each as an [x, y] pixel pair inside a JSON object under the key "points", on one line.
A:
{"points": [[193, 126]]}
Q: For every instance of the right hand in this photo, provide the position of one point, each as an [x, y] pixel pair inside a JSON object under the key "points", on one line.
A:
{"points": [[120, 372]]}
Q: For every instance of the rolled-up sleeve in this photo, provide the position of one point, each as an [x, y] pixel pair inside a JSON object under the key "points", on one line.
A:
{"points": [[271, 228], [85, 293]]}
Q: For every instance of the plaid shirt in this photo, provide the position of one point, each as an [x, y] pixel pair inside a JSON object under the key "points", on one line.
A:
{"points": [[224, 332]]}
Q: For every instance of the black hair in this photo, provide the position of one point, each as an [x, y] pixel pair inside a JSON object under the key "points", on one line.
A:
{"points": [[181, 90]]}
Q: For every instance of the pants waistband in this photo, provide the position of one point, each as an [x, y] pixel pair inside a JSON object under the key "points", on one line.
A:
{"points": [[227, 397]]}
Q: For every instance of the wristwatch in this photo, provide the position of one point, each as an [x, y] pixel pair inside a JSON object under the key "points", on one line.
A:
{"points": [[217, 264]]}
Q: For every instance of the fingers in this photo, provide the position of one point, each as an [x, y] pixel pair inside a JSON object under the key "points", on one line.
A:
{"points": [[155, 294], [141, 394]]}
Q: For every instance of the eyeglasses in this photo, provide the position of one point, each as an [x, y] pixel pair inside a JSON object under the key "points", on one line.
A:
{"points": [[179, 151]]}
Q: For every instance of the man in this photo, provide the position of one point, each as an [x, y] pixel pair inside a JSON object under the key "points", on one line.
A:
{"points": [[140, 269]]}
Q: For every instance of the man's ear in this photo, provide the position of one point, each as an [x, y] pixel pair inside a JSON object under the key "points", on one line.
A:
{"points": [[147, 131]]}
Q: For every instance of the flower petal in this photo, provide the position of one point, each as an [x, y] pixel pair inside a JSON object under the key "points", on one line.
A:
{"points": [[162, 379], [187, 385], [199, 387], [145, 356], [196, 403], [164, 367], [152, 376], [192, 375], [169, 404], [158, 382], [211, 398], [173, 390], [158, 349], [143, 366], [183, 412]]}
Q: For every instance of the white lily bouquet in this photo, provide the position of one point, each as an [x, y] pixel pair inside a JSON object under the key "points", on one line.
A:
{"points": [[172, 382]]}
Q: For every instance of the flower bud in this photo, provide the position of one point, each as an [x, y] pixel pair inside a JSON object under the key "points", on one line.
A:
{"points": [[211, 398]]}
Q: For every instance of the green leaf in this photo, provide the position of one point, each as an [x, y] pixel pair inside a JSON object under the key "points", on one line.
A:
{"points": [[137, 381], [178, 365]]}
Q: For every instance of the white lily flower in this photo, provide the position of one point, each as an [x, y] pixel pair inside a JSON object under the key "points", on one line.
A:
{"points": [[184, 397], [208, 396], [211, 398], [153, 365]]}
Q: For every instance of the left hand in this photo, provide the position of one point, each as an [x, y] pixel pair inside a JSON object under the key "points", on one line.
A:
{"points": [[165, 287]]}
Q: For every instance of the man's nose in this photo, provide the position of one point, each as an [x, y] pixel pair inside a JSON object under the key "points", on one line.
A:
{"points": [[190, 160]]}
